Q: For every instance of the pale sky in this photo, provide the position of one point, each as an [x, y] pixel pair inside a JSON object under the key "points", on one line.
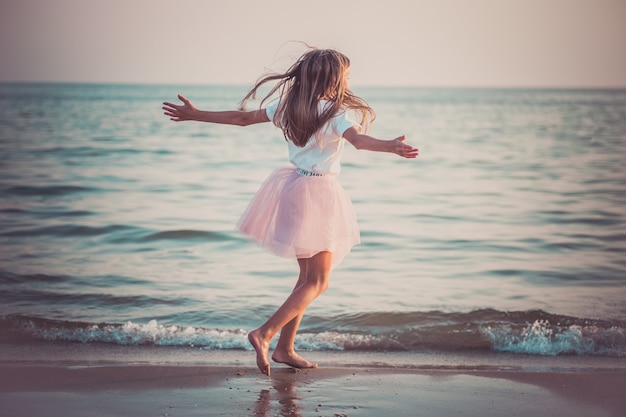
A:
{"points": [[512, 43]]}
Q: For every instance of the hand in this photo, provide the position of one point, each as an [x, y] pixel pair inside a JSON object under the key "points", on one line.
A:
{"points": [[180, 113], [404, 149]]}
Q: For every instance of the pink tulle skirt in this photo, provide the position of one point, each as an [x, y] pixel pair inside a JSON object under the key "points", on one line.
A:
{"points": [[297, 216]]}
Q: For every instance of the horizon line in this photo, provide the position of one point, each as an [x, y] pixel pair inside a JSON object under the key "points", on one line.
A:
{"points": [[365, 85]]}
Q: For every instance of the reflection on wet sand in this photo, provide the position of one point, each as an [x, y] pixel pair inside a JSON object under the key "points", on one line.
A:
{"points": [[283, 393]]}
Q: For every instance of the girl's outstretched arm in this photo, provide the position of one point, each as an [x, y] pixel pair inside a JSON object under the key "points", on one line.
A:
{"points": [[187, 111], [369, 143]]}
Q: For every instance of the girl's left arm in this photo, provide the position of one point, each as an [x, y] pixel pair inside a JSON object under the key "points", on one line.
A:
{"points": [[187, 111], [369, 143]]}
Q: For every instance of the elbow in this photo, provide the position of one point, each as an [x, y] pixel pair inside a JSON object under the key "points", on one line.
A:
{"points": [[365, 146], [245, 119], [241, 120], [359, 144]]}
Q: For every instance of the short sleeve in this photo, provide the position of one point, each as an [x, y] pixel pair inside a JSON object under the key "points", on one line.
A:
{"points": [[342, 122], [270, 110]]}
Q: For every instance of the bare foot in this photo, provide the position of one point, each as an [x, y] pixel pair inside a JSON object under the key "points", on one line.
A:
{"points": [[262, 349], [292, 359]]}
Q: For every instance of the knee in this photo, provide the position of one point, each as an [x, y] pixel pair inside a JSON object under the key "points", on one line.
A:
{"points": [[317, 271], [322, 286], [319, 282]]}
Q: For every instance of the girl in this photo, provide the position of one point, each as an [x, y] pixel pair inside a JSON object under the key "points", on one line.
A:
{"points": [[302, 211]]}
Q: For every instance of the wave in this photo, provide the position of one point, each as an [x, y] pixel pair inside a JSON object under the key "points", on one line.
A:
{"points": [[66, 230], [187, 235], [47, 213], [94, 151], [48, 191], [117, 233], [533, 332]]}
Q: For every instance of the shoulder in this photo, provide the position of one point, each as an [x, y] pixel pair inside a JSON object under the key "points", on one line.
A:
{"points": [[343, 119], [270, 109]]}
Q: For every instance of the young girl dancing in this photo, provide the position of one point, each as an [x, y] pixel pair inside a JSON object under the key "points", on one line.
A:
{"points": [[302, 211]]}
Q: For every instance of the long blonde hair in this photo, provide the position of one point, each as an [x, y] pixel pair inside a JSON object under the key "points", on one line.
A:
{"points": [[319, 74]]}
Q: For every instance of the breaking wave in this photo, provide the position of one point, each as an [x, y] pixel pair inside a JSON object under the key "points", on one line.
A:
{"points": [[533, 332]]}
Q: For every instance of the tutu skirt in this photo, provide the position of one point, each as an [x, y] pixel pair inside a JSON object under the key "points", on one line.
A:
{"points": [[298, 216]]}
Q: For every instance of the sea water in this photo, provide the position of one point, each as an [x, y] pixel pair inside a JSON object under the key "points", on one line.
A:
{"points": [[506, 234]]}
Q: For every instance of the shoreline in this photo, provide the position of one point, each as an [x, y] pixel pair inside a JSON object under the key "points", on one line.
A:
{"points": [[104, 354], [69, 379]]}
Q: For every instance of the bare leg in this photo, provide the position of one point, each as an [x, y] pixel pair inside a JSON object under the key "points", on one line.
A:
{"points": [[285, 352], [310, 285]]}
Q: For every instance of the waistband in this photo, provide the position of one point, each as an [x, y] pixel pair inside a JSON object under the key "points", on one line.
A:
{"points": [[306, 173]]}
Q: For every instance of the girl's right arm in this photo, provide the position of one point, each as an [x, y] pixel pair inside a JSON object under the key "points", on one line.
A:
{"points": [[187, 111], [369, 143]]}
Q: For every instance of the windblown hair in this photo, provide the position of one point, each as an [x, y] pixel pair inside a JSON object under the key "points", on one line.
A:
{"points": [[319, 74]]}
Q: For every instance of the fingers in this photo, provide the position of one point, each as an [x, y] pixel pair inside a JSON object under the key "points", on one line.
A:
{"points": [[169, 111], [175, 107], [170, 107], [173, 117], [173, 111], [412, 153], [183, 99], [405, 150]]}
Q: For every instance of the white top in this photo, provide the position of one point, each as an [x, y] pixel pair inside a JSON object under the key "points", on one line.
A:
{"points": [[322, 153]]}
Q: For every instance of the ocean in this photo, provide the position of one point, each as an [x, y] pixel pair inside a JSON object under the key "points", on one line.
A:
{"points": [[507, 235]]}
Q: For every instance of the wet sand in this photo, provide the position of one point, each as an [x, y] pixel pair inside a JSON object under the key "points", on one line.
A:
{"points": [[76, 379], [49, 389]]}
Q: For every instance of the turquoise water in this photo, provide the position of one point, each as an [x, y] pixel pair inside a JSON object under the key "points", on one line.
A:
{"points": [[508, 233]]}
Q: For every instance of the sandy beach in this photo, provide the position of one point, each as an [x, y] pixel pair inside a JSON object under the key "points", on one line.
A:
{"points": [[80, 380]]}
